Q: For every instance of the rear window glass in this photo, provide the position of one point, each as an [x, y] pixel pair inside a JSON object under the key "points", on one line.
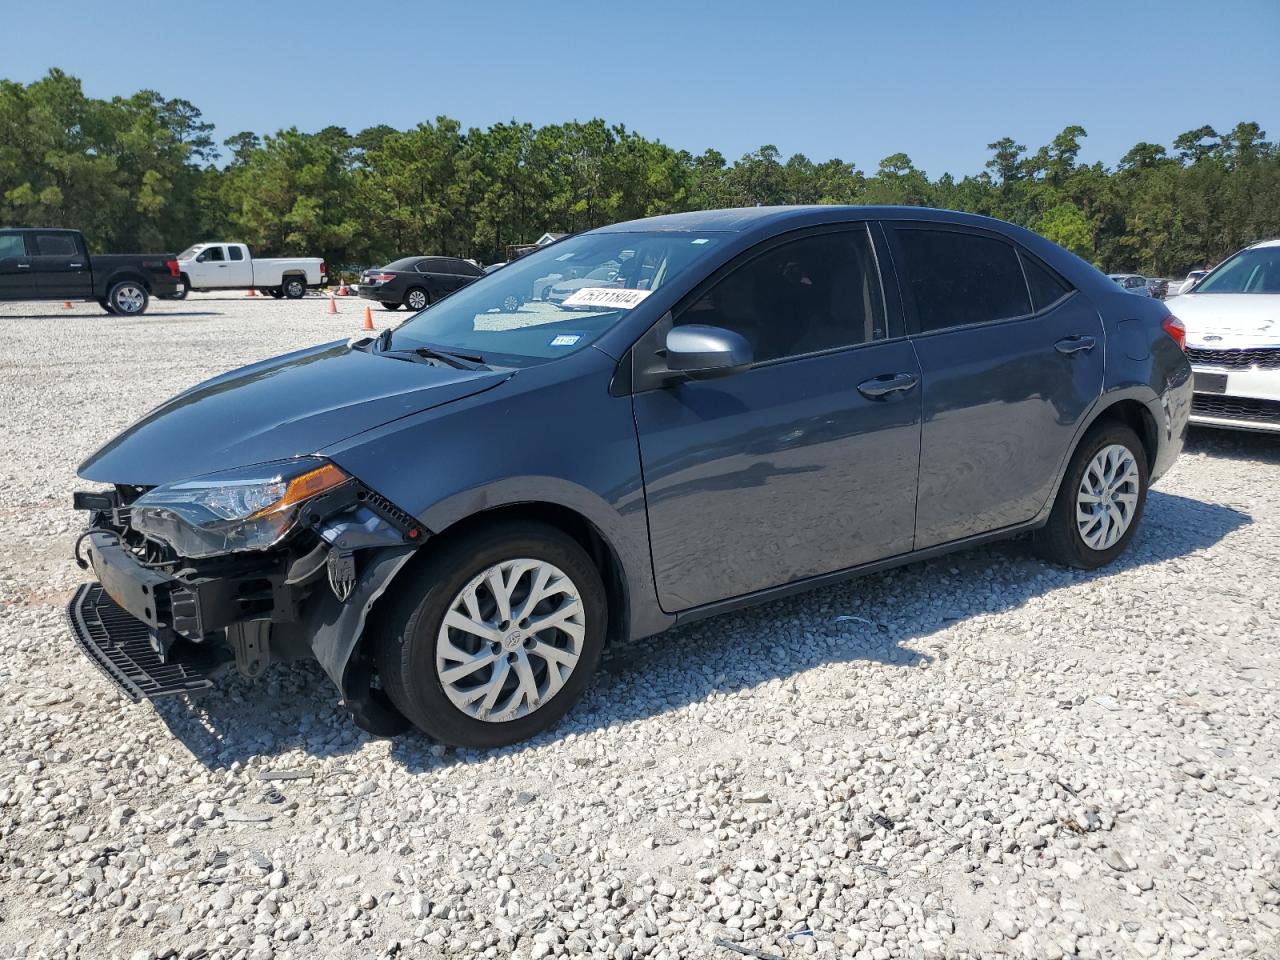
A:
{"points": [[11, 245], [404, 263], [55, 245], [957, 279], [1046, 286]]}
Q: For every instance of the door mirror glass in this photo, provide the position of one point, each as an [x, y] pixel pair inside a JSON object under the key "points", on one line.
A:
{"points": [[704, 352]]}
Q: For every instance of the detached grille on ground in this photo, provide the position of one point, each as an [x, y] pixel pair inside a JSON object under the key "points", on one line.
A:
{"points": [[120, 646], [1235, 408], [1235, 359]]}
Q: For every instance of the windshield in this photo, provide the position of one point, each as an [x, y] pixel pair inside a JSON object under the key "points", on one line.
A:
{"points": [[1249, 271], [190, 252], [556, 300]]}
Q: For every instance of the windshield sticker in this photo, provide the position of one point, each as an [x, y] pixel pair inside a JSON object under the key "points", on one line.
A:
{"points": [[613, 297], [566, 339]]}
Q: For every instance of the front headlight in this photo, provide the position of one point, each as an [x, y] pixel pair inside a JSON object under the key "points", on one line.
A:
{"points": [[252, 508]]}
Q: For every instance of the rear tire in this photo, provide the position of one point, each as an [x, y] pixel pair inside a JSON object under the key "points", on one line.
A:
{"points": [[295, 288], [128, 298], [415, 652], [1100, 502]]}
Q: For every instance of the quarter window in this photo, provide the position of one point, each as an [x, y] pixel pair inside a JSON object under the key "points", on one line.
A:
{"points": [[817, 293], [957, 279], [236, 253], [1046, 286]]}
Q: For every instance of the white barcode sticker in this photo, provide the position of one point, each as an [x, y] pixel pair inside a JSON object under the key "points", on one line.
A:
{"points": [[609, 297]]}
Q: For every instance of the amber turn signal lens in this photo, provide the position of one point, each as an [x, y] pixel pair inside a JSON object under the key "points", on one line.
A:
{"points": [[306, 486]]}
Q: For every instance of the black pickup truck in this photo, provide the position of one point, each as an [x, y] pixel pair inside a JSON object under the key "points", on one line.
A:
{"points": [[54, 264]]}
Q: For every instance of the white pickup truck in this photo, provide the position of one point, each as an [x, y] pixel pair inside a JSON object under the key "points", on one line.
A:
{"points": [[230, 266]]}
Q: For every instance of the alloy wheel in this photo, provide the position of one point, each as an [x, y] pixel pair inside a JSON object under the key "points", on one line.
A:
{"points": [[129, 298], [1107, 497], [510, 640], [417, 299]]}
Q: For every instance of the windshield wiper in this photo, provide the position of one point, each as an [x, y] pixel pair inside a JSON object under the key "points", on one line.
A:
{"points": [[459, 361]]}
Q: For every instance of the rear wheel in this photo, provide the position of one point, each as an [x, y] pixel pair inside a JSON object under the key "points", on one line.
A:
{"points": [[1100, 502], [495, 637], [128, 298], [294, 288], [416, 299]]}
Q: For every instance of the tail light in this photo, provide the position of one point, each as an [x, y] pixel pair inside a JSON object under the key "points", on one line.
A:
{"points": [[381, 277], [322, 269], [172, 266], [1174, 328]]}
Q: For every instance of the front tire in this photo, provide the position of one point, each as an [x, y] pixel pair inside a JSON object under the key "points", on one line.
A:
{"points": [[294, 288], [128, 298], [1100, 502], [416, 299], [495, 636]]}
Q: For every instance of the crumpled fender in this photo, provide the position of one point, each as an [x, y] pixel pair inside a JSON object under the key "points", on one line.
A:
{"points": [[333, 627]]}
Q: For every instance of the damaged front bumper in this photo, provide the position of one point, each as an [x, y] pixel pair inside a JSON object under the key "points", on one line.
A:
{"points": [[158, 624]]}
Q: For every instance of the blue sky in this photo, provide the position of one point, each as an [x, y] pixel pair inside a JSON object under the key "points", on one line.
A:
{"points": [[858, 81]]}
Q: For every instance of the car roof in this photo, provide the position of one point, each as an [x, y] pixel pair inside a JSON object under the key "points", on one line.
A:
{"points": [[1266, 243], [742, 219]]}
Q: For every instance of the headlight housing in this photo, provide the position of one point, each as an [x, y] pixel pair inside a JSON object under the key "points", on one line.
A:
{"points": [[251, 508]]}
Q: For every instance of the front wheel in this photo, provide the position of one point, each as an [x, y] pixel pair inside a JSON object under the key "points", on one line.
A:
{"points": [[495, 637], [294, 288], [128, 298], [1100, 502], [416, 299]]}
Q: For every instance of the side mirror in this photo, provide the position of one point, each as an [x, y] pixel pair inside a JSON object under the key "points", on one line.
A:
{"points": [[704, 352]]}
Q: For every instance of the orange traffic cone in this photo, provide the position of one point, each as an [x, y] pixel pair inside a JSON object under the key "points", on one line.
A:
{"points": [[342, 288], [251, 293], [368, 319], [66, 304], [333, 304]]}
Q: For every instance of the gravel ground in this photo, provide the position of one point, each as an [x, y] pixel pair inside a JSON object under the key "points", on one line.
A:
{"points": [[977, 756]]}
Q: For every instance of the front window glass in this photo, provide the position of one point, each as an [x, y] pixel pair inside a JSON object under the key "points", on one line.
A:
{"points": [[11, 245], [1249, 271], [817, 293], [555, 300]]}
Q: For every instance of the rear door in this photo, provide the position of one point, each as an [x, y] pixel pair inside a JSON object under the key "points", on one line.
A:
{"points": [[806, 462], [1012, 360], [449, 272], [60, 264], [239, 268], [17, 282]]}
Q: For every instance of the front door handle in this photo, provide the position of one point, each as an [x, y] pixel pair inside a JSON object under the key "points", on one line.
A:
{"points": [[1069, 345], [886, 384]]}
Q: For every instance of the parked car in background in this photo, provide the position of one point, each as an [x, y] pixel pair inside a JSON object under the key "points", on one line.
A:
{"points": [[455, 517], [230, 266], [1158, 286], [1131, 282], [603, 276], [38, 263], [1187, 285], [1232, 316], [416, 282]]}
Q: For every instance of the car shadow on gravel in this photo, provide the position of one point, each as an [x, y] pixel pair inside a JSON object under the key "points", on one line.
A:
{"points": [[1234, 444], [883, 618], [110, 316]]}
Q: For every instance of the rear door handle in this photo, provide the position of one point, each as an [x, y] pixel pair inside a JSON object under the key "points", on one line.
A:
{"points": [[887, 384], [1069, 345]]}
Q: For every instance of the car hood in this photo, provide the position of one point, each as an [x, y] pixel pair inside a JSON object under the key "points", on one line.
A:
{"points": [[288, 406], [1226, 320]]}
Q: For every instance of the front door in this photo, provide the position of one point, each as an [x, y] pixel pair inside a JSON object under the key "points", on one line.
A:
{"points": [[209, 270], [1012, 359], [806, 462], [60, 265], [17, 282]]}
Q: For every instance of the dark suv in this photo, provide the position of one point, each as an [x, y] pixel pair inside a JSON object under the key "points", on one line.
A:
{"points": [[456, 517], [416, 282]]}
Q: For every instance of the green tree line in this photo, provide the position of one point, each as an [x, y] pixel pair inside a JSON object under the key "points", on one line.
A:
{"points": [[146, 173]]}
